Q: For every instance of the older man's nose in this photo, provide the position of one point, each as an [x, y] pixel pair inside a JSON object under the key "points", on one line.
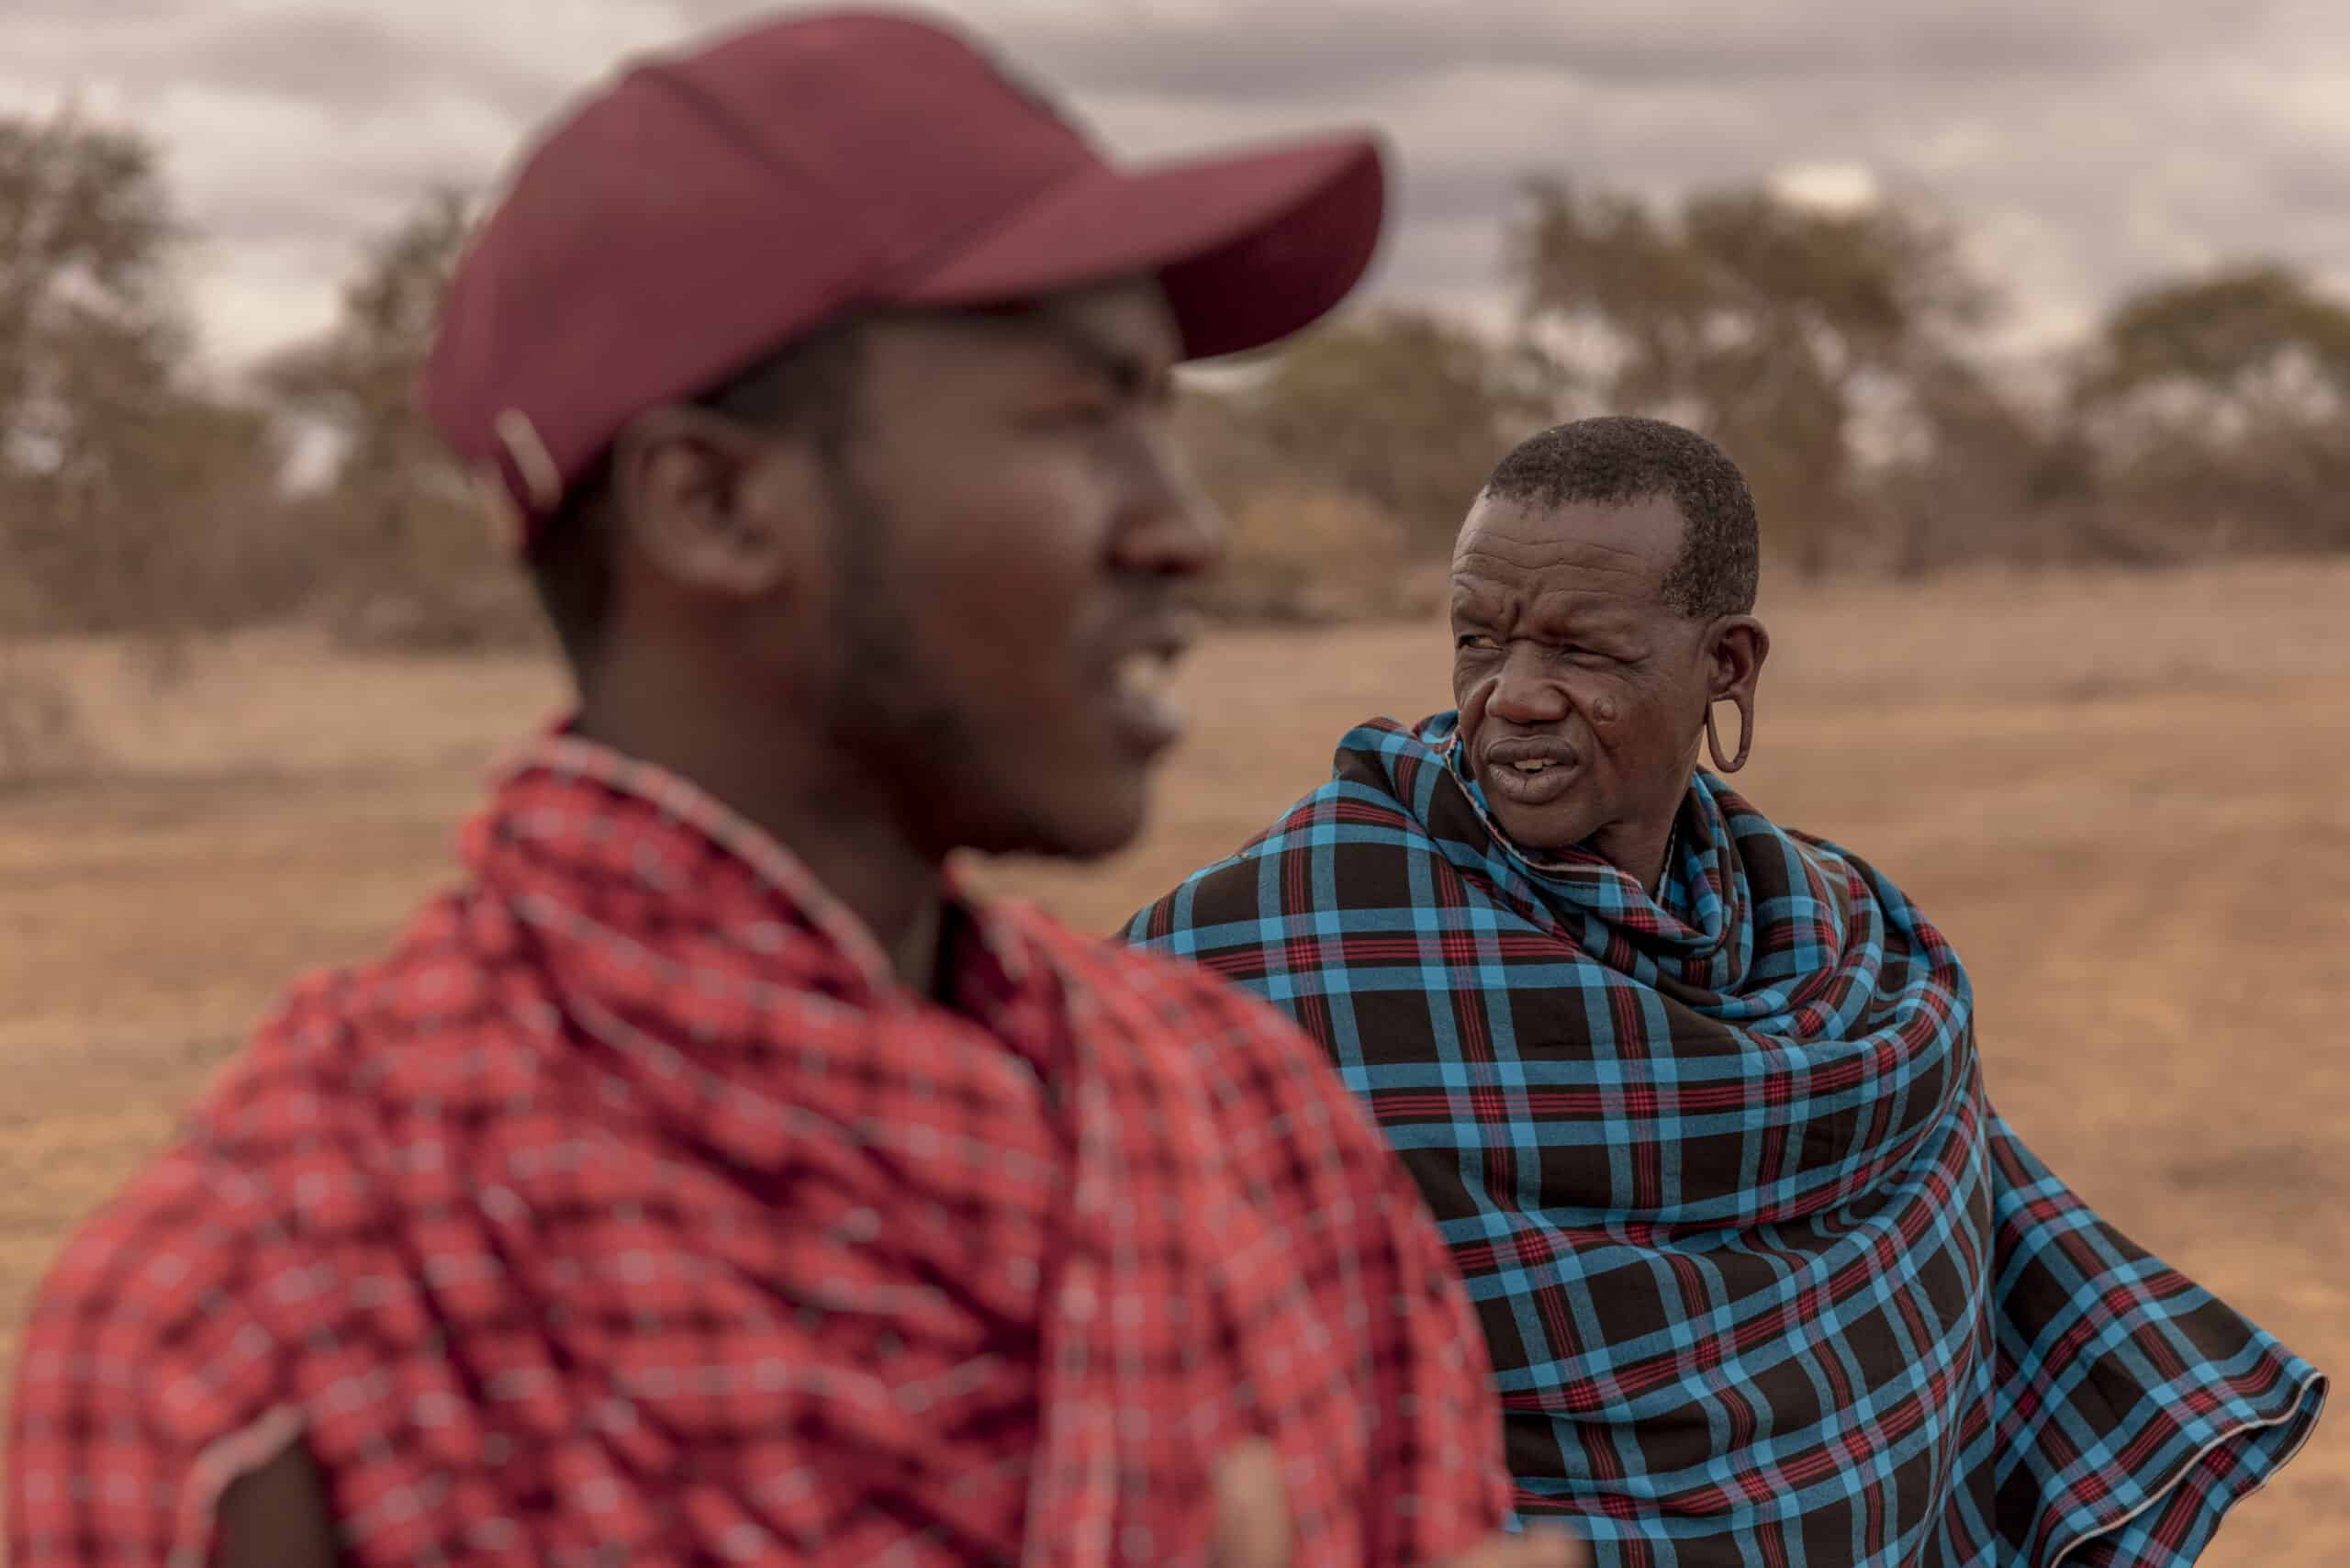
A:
{"points": [[1523, 692]]}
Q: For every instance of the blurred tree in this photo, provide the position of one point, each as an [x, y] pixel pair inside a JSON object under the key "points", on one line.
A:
{"points": [[1974, 474], [1401, 407], [2257, 339], [112, 458], [2219, 409], [1225, 445], [360, 379], [1771, 326], [419, 566], [1300, 546]]}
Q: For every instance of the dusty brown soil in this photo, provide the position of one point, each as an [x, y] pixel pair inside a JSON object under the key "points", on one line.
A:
{"points": [[2116, 794]]}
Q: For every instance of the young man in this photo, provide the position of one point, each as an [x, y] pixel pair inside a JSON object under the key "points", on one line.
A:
{"points": [[706, 1180]]}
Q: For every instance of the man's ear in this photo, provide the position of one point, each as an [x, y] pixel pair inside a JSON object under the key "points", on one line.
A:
{"points": [[1740, 644], [715, 505]]}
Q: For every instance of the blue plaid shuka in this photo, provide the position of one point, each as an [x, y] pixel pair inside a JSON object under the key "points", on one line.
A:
{"points": [[1765, 1279]]}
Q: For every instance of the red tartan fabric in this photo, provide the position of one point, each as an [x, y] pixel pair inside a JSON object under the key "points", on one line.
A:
{"points": [[629, 1212]]}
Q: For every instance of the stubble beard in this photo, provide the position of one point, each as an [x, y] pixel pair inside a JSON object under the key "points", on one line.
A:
{"points": [[885, 709]]}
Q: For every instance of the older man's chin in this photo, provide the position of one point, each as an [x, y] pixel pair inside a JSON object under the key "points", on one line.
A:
{"points": [[1547, 829]]}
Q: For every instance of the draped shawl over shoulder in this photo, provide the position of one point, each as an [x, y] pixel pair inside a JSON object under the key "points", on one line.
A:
{"points": [[1764, 1278], [630, 1211]]}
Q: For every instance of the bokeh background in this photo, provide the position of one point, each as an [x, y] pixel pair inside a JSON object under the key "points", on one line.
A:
{"points": [[2030, 324]]}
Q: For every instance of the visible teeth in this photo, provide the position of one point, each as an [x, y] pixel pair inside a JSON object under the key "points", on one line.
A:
{"points": [[1537, 766], [1145, 672]]}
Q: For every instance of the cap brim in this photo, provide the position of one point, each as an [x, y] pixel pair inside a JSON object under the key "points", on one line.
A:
{"points": [[1250, 248]]}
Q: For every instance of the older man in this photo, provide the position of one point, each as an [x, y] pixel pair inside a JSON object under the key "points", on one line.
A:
{"points": [[705, 1180], [1696, 1099]]}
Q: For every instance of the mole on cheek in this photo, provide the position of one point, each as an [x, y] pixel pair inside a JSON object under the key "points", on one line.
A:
{"points": [[1604, 711]]}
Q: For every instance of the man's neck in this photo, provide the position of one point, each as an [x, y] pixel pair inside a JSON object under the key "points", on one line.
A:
{"points": [[830, 824], [1637, 850]]}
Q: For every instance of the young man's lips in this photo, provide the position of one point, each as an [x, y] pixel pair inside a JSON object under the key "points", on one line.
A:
{"points": [[1147, 723], [1143, 706]]}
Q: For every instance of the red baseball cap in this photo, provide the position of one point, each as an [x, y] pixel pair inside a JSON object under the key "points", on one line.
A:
{"points": [[704, 211]]}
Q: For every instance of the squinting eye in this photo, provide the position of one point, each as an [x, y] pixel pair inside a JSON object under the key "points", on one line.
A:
{"points": [[1476, 639]]}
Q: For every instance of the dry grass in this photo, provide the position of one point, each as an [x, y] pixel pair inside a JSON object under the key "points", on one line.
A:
{"points": [[2115, 792]]}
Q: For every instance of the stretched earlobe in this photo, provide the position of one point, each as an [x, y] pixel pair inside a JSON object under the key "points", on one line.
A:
{"points": [[1745, 735]]}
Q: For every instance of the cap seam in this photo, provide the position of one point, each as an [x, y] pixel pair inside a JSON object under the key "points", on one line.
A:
{"points": [[893, 277], [730, 125], [930, 257]]}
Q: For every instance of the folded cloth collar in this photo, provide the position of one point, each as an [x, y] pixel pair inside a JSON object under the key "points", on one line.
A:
{"points": [[1685, 891], [1763, 1274], [629, 1210]]}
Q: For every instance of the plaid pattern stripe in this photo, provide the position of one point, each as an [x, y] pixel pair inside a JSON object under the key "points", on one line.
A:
{"points": [[630, 1211], [1765, 1279]]}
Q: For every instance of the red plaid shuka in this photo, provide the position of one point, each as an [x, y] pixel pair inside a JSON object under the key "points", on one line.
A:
{"points": [[631, 1212]]}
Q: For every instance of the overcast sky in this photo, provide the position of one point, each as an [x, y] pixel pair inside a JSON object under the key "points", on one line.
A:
{"points": [[2088, 144]]}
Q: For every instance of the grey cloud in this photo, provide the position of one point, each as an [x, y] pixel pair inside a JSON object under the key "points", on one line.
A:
{"points": [[122, 13], [2093, 144], [2079, 116], [357, 64], [361, 201], [1278, 51], [347, 65]]}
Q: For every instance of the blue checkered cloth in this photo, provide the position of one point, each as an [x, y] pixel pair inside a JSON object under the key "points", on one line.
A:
{"points": [[1765, 1279]]}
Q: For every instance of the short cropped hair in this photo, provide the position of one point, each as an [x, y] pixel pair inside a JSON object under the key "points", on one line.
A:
{"points": [[810, 384], [1616, 460]]}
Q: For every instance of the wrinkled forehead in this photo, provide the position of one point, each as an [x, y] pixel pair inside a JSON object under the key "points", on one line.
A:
{"points": [[1619, 550]]}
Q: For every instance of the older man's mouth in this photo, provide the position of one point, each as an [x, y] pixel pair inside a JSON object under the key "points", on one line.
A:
{"points": [[1530, 771]]}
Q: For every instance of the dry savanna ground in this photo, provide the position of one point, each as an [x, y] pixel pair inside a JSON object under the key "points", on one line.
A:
{"points": [[2118, 794]]}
